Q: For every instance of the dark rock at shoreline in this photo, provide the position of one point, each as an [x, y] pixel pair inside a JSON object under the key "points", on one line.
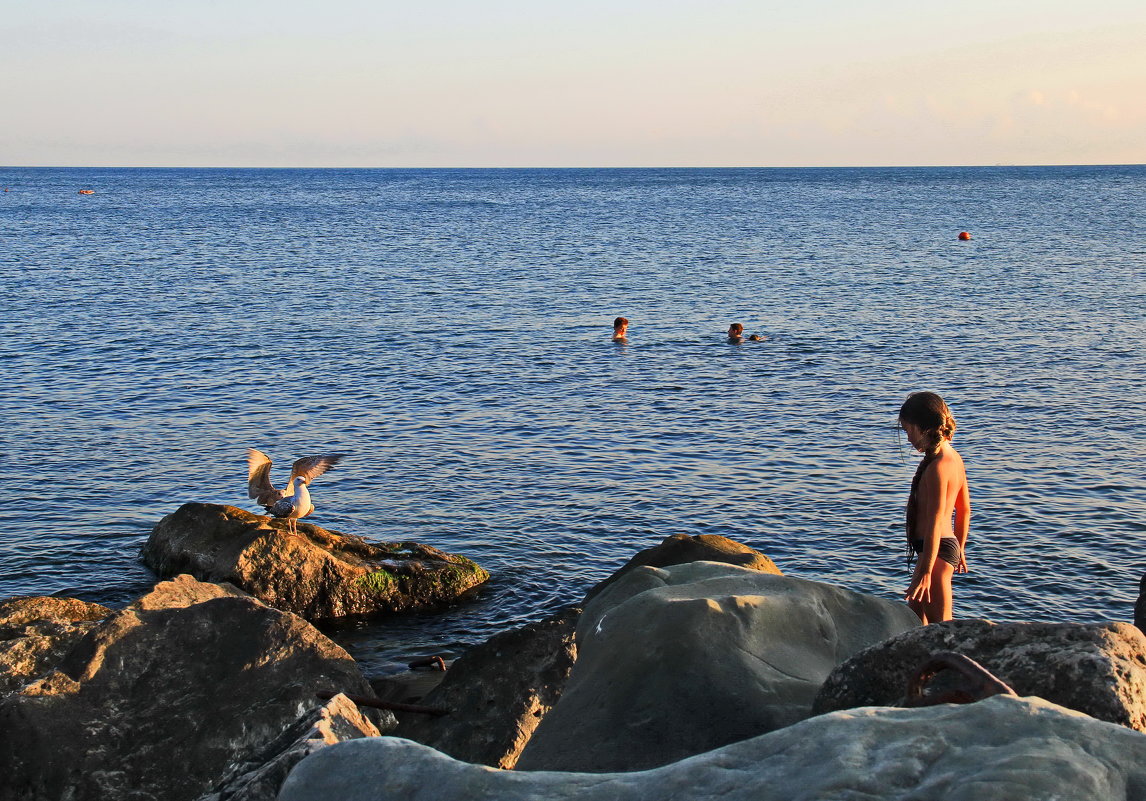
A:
{"points": [[1098, 669], [158, 699], [679, 549], [318, 574], [36, 632], [260, 777], [498, 692], [679, 660]]}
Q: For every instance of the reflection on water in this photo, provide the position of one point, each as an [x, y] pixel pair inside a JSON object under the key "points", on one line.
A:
{"points": [[450, 331]]}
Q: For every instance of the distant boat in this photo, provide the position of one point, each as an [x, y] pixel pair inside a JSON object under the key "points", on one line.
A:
{"points": [[87, 191]]}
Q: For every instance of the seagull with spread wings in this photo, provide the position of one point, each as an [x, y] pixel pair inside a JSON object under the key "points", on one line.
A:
{"points": [[291, 502]]}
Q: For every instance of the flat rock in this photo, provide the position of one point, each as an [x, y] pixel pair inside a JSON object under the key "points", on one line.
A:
{"points": [[317, 574], [1098, 669], [1000, 749], [260, 777], [154, 703], [498, 692], [679, 660], [678, 549], [36, 632]]}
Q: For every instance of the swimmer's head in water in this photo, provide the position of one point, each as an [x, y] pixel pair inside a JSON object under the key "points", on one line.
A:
{"points": [[928, 413], [735, 330], [620, 323]]}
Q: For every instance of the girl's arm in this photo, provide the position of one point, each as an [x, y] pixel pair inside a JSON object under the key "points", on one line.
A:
{"points": [[962, 524], [930, 526]]}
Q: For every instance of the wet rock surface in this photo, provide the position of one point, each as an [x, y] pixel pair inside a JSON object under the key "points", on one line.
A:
{"points": [[1098, 669], [317, 574]]}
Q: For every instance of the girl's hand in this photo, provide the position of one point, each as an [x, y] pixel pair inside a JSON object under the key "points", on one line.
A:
{"points": [[920, 589], [962, 566]]}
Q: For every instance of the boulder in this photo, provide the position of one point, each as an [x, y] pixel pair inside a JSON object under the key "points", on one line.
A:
{"points": [[1098, 669], [36, 632], [679, 660], [260, 777], [317, 574], [678, 549], [498, 692], [158, 699], [1001, 749]]}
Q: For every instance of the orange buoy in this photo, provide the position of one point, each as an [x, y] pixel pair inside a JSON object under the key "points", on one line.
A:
{"points": [[87, 191], [964, 236]]}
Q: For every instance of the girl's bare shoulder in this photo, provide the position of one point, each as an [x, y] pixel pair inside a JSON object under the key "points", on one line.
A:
{"points": [[949, 460]]}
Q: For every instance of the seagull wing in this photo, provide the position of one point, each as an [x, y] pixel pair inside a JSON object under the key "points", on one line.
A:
{"points": [[259, 475], [309, 468]]}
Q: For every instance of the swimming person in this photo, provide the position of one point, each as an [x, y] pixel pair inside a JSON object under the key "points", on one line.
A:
{"points": [[620, 328], [735, 333], [938, 494]]}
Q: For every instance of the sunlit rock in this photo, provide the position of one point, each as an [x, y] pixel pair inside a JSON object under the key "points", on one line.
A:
{"points": [[678, 549], [1098, 669], [158, 699], [318, 574], [36, 632]]}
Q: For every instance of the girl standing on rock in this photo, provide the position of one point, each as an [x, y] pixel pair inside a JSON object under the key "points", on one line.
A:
{"points": [[938, 495]]}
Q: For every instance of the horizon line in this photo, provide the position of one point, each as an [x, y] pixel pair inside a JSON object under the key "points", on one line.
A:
{"points": [[553, 167]]}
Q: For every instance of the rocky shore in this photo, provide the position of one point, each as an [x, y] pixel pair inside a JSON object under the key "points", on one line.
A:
{"points": [[697, 671]]}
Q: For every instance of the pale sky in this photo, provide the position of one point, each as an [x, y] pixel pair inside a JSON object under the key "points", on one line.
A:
{"points": [[510, 83]]}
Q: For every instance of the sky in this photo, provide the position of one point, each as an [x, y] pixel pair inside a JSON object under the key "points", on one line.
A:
{"points": [[510, 83]]}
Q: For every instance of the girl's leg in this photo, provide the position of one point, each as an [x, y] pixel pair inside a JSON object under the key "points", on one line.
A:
{"points": [[939, 608]]}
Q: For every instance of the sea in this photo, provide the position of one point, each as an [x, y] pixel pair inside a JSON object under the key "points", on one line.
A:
{"points": [[449, 330]]}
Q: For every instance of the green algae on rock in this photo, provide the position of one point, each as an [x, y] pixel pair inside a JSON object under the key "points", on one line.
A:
{"points": [[317, 574]]}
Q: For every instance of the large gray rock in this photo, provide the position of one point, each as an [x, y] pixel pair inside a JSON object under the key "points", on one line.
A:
{"points": [[679, 660], [260, 777], [157, 700], [497, 693], [1001, 749], [35, 634], [1098, 669], [318, 574], [678, 549]]}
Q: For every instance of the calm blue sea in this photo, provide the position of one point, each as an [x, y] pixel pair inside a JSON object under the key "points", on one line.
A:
{"points": [[450, 331]]}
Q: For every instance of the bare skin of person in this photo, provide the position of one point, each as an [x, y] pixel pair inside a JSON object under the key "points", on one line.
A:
{"points": [[941, 510], [620, 329]]}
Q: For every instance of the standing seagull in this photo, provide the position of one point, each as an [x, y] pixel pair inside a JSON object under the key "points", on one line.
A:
{"points": [[291, 502]]}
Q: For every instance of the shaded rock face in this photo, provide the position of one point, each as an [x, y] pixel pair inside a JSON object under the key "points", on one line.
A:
{"points": [[154, 702], [318, 574], [681, 548], [1000, 749], [498, 692], [260, 777], [680, 660], [36, 633], [1097, 669]]}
